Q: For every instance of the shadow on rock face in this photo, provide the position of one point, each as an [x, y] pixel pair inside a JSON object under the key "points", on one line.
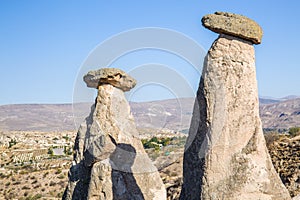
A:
{"points": [[123, 182], [80, 174], [195, 147]]}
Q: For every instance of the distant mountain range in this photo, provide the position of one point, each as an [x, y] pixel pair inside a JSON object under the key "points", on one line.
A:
{"points": [[269, 100], [173, 114], [282, 114]]}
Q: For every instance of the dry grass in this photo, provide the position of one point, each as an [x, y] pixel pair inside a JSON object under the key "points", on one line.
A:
{"points": [[44, 184]]}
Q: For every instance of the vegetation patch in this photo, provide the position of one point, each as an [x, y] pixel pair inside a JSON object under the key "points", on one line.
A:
{"points": [[294, 131]]}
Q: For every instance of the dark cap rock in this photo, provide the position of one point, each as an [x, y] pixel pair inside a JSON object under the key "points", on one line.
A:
{"points": [[233, 24], [112, 76]]}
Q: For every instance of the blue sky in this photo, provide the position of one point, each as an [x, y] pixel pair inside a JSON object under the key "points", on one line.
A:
{"points": [[44, 43]]}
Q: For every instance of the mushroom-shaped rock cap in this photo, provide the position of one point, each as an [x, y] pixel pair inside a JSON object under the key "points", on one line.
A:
{"points": [[112, 76], [233, 24]]}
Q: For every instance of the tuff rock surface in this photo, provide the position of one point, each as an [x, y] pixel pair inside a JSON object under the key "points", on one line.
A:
{"points": [[109, 160], [235, 25], [113, 76], [297, 197], [225, 153]]}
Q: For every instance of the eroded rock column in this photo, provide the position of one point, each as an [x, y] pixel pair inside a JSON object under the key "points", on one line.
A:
{"points": [[110, 161], [225, 153]]}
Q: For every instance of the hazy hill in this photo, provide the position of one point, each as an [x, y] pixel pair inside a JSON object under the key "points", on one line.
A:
{"points": [[174, 114], [39, 117], [283, 114]]}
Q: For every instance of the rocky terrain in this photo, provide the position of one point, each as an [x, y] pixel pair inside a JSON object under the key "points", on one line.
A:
{"points": [[275, 113], [29, 182], [50, 178], [284, 151], [47, 177], [285, 154]]}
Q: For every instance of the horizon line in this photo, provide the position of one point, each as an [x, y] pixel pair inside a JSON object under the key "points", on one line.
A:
{"points": [[70, 103]]}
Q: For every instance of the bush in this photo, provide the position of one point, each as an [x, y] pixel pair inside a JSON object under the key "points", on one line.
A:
{"points": [[37, 186], [58, 171], [60, 194], [52, 183], [11, 143], [62, 184], [35, 197], [294, 131], [68, 151], [50, 151], [2, 176], [17, 183], [66, 137], [271, 137], [46, 173], [61, 176], [25, 188], [22, 172], [156, 142]]}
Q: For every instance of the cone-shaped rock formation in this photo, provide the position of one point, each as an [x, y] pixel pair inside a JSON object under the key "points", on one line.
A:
{"points": [[109, 160], [225, 154]]}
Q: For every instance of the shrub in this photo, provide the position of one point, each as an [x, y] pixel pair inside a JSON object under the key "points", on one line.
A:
{"points": [[50, 151], [173, 174], [60, 194], [66, 137], [271, 137], [68, 151], [61, 176], [2, 175], [52, 183], [62, 184], [35, 197], [46, 173], [156, 142], [25, 188], [294, 131], [58, 171], [22, 172], [17, 183], [37, 186], [11, 143]]}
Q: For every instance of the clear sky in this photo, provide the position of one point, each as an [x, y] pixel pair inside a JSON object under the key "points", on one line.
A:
{"points": [[43, 44]]}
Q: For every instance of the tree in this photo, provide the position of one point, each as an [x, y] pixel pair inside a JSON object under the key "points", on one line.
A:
{"points": [[50, 151], [11, 143]]}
